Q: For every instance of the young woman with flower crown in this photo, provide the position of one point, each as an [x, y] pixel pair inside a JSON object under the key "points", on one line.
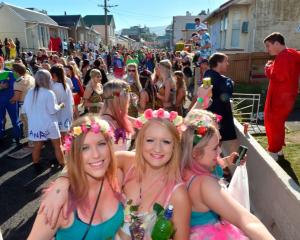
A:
{"points": [[149, 176], [115, 111], [94, 210], [215, 214]]}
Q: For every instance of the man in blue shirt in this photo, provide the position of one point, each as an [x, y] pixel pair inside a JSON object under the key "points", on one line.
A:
{"points": [[7, 80], [205, 43]]}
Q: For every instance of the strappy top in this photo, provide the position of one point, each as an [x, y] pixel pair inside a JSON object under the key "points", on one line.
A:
{"points": [[102, 231], [149, 218], [209, 217]]}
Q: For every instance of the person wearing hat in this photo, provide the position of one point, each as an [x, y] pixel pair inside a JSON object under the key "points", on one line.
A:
{"points": [[205, 43], [199, 24], [7, 80]]}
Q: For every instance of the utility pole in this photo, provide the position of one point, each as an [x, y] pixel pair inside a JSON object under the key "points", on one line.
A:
{"points": [[105, 7]]}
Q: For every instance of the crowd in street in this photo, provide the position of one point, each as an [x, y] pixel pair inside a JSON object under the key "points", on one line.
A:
{"points": [[151, 134]]}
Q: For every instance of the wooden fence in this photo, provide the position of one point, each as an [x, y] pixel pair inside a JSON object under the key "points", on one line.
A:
{"points": [[247, 67]]}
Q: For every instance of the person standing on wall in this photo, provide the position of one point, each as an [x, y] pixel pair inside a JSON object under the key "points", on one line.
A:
{"points": [[283, 73], [17, 42]]}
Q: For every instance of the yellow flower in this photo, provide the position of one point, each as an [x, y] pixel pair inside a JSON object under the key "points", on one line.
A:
{"points": [[77, 131]]}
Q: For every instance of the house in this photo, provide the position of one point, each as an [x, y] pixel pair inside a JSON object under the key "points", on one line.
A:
{"points": [[32, 28], [241, 25], [179, 26], [136, 32], [77, 29], [97, 22]]}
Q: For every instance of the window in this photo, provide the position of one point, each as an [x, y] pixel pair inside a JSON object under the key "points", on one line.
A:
{"points": [[42, 36], [223, 32], [235, 34]]}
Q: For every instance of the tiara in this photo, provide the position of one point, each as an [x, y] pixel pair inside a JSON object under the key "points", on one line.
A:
{"points": [[95, 127], [149, 114]]}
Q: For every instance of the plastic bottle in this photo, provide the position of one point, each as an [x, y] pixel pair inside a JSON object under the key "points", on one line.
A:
{"points": [[163, 228]]}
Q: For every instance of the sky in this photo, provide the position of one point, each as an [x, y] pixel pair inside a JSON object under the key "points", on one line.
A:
{"points": [[128, 13]]}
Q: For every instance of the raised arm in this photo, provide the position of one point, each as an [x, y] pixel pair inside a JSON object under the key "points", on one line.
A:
{"points": [[219, 201]]}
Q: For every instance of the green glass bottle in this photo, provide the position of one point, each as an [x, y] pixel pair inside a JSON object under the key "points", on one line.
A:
{"points": [[163, 228]]}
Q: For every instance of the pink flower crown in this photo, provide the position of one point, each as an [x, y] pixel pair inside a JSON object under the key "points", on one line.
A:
{"points": [[160, 114], [96, 127]]}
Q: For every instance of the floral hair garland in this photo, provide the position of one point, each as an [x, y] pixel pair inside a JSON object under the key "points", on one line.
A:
{"points": [[202, 123], [149, 114], [119, 93], [96, 127]]}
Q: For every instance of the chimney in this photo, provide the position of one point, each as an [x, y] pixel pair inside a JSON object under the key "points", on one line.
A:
{"points": [[65, 13]]}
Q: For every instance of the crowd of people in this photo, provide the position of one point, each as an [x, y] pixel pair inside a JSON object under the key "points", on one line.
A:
{"points": [[151, 134]]}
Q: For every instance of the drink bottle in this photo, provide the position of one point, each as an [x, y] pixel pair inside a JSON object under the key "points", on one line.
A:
{"points": [[163, 228]]}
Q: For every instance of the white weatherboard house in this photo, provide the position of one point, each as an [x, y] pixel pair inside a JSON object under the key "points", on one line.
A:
{"points": [[32, 28]]}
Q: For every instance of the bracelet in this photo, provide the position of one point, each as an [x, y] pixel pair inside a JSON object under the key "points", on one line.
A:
{"points": [[200, 100]]}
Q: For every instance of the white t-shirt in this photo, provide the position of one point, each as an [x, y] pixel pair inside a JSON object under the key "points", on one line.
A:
{"points": [[41, 109], [70, 83], [65, 116]]}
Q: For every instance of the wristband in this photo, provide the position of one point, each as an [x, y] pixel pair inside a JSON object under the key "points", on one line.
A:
{"points": [[200, 100]]}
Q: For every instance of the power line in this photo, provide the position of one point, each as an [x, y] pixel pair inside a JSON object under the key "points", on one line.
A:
{"points": [[142, 15], [106, 7]]}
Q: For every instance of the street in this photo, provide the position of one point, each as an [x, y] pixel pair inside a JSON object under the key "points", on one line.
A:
{"points": [[21, 189]]}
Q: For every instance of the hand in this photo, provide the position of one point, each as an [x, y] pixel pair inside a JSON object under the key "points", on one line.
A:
{"points": [[232, 158], [203, 92], [54, 201], [269, 63], [62, 105], [3, 85]]}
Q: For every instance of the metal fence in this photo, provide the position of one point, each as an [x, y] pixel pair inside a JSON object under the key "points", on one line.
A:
{"points": [[246, 109]]}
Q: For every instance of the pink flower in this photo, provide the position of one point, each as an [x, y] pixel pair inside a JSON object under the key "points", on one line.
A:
{"points": [[173, 115], [84, 128], [148, 114], [160, 113], [67, 143], [95, 128], [218, 118], [138, 124]]}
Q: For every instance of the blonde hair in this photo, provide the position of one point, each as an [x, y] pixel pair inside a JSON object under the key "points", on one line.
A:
{"points": [[76, 69], [77, 176], [187, 139], [95, 72], [167, 70], [174, 163], [136, 76], [118, 105]]}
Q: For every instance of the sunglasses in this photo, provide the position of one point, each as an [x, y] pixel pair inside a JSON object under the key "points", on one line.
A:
{"points": [[131, 70]]}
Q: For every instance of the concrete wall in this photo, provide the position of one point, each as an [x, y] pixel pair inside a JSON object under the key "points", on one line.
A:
{"points": [[275, 197], [278, 16], [11, 26]]}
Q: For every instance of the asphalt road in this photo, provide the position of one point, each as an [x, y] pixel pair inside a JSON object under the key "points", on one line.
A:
{"points": [[21, 189]]}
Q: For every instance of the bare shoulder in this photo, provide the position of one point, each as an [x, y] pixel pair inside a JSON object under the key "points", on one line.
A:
{"points": [[125, 159], [180, 195]]}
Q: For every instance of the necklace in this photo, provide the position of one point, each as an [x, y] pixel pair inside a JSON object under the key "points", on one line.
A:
{"points": [[94, 211]]}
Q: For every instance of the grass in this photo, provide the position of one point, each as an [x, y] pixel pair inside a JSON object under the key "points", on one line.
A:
{"points": [[291, 161], [258, 88]]}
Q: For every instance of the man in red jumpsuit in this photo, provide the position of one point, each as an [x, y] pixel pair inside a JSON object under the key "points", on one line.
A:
{"points": [[283, 74]]}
